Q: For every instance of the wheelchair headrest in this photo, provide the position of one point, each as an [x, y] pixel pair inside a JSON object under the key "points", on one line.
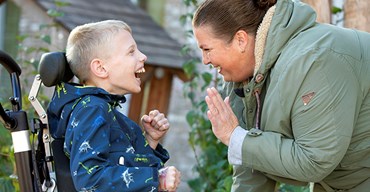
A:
{"points": [[54, 68]]}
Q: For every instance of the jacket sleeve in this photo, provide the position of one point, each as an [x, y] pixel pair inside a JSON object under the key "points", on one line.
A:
{"points": [[321, 125], [88, 144], [160, 152]]}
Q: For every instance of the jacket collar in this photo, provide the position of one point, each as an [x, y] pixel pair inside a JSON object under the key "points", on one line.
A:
{"points": [[261, 37]]}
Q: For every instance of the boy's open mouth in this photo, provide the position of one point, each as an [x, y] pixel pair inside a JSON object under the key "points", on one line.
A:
{"points": [[140, 71]]}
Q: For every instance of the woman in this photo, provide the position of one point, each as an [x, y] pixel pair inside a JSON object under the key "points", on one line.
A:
{"points": [[297, 103]]}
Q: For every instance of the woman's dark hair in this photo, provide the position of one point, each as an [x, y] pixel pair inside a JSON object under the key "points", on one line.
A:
{"points": [[226, 17]]}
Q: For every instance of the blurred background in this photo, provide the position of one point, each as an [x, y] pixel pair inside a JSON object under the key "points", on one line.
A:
{"points": [[174, 81]]}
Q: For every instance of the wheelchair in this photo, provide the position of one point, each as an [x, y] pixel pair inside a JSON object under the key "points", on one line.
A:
{"points": [[41, 165]]}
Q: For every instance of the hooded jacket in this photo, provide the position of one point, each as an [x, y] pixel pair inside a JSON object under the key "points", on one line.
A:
{"points": [[107, 150], [312, 83]]}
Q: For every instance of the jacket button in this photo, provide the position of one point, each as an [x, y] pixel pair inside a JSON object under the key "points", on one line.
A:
{"points": [[259, 78]]}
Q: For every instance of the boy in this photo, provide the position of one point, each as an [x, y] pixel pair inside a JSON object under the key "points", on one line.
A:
{"points": [[107, 150]]}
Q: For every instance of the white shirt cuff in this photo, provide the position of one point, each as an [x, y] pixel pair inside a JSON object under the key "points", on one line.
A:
{"points": [[236, 145]]}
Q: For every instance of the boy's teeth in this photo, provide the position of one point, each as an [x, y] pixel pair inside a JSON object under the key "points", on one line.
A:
{"points": [[142, 70]]}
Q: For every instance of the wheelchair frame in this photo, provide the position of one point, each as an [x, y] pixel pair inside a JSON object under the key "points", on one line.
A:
{"points": [[35, 165]]}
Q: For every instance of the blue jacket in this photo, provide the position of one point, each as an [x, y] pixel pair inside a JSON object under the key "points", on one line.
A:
{"points": [[107, 150]]}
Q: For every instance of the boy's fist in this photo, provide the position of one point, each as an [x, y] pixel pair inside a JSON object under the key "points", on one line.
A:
{"points": [[169, 178]]}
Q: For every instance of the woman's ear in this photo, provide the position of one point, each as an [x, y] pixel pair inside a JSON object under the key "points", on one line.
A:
{"points": [[98, 69], [241, 38]]}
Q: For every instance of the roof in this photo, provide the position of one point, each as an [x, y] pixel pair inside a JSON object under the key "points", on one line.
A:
{"points": [[151, 38]]}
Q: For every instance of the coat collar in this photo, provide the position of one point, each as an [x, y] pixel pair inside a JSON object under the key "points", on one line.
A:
{"points": [[261, 37]]}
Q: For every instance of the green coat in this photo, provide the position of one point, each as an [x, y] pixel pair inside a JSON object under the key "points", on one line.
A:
{"points": [[314, 84]]}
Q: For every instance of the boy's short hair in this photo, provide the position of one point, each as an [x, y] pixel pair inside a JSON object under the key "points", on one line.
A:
{"points": [[89, 41]]}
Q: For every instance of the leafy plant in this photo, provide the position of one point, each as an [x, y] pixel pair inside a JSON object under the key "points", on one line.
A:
{"points": [[214, 171]]}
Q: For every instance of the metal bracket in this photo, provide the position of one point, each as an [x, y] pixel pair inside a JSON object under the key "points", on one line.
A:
{"points": [[42, 115]]}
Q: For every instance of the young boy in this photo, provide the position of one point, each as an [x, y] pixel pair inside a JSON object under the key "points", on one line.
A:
{"points": [[107, 150]]}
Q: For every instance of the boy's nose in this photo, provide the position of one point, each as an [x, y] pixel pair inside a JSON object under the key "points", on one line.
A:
{"points": [[143, 57]]}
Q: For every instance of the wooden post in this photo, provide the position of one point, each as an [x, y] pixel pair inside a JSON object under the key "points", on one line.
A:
{"points": [[356, 14], [160, 90]]}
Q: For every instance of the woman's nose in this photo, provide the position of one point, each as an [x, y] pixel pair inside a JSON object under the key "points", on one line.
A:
{"points": [[206, 59]]}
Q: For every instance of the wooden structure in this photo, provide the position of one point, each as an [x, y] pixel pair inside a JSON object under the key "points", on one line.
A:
{"points": [[164, 59]]}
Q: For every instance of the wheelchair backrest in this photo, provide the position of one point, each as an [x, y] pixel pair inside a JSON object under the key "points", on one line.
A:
{"points": [[54, 69]]}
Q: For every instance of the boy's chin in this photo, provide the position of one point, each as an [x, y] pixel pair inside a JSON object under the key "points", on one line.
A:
{"points": [[138, 90]]}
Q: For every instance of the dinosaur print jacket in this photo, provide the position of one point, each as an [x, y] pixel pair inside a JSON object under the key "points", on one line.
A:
{"points": [[107, 150]]}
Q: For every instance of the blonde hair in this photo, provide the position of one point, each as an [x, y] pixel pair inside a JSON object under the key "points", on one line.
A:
{"points": [[89, 41]]}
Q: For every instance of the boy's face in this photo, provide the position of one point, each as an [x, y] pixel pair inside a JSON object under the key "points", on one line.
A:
{"points": [[124, 63]]}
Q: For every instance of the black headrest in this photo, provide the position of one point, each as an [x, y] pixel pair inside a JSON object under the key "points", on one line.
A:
{"points": [[54, 68]]}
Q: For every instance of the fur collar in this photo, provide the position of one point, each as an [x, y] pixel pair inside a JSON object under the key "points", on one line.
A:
{"points": [[261, 37]]}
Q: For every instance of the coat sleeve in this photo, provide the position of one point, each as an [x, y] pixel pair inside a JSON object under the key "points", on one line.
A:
{"points": [[88, 145], [320, 127]]}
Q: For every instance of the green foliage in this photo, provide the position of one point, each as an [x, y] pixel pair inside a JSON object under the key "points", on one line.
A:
{"points": [[336, 10], [214, 171], [6, 159], [7, 168], [6, 184], [56, 12], [212, 166]]}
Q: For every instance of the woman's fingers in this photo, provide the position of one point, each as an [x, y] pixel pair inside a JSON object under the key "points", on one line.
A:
{"points": [[215, 101], [220, 114]]}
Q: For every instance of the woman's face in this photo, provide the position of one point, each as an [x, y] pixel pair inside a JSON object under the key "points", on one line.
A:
{"points": [[234, 60]]}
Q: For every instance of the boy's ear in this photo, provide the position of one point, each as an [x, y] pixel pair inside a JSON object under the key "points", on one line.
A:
{"points": [[98, 69]]}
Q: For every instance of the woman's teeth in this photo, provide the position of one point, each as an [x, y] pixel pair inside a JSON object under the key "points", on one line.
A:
{"points": [[218, 69]]}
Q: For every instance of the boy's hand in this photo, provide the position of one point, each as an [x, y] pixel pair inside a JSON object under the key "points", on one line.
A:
{"points": [[155, 125], [169, 178]]}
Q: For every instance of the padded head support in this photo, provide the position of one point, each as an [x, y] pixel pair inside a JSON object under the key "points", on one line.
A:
{"points": [[54, 68]]}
